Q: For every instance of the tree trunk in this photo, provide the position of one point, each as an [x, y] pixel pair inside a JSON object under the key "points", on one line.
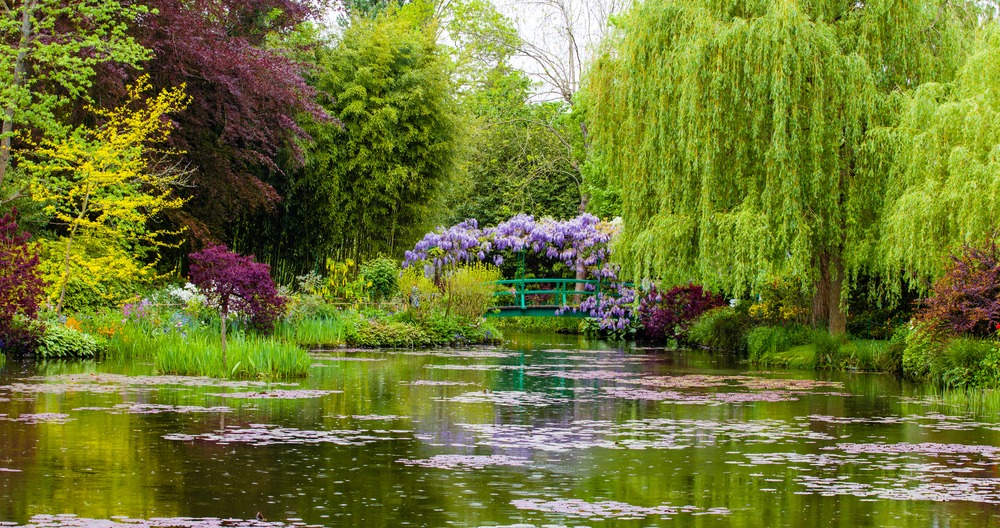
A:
{"points": [[65, 275], [27, 15], [827, 306], [580, 287]]}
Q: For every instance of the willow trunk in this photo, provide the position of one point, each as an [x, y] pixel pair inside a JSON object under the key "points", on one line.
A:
{"points": [[828, 307]]}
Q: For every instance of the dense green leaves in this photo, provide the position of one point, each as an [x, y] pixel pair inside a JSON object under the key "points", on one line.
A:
{"points": [[735, 131], [372, 184], [943, 161]]}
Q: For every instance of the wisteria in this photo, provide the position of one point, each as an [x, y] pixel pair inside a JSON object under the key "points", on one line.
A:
{"points": [[581, 244]]}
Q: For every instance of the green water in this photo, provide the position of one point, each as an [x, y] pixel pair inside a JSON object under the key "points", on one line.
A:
{"points": [[546, 430]]}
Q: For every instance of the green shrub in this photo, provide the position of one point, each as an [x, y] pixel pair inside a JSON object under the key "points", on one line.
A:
{"points": [[421, 296], [721, 329], [872, 356], [59, 341], [470, 290], [829, 350], [960, 363], [382, 278], [922, 345], [895, 348], [765, 340], [558, 325], [377, 334]]}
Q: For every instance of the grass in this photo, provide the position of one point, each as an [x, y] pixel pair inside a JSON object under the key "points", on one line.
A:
{"points": [[313, 332], [860, 355], [247, 357], [559, 325], [199, 353]]}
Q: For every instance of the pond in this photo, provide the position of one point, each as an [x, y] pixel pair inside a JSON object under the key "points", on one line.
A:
{"points": [[546, 430]]}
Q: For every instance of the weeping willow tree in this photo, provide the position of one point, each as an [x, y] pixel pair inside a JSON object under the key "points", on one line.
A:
{"points": [[736, 130], [944, 164]]}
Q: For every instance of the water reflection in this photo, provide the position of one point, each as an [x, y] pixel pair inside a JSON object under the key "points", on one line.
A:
{"points": [[546, 430]]}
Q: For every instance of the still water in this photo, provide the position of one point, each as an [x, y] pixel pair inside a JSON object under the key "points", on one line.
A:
{"points": [[545, 430]]}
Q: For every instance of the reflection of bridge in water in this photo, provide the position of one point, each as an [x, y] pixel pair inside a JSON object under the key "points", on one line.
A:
{"points": [[528, 298]]}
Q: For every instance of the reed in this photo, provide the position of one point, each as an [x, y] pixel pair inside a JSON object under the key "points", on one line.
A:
{"points": [[248, 357], [313, 332]]}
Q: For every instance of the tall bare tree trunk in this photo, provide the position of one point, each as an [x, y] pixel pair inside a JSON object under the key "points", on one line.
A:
{"points": [[27, 14]]}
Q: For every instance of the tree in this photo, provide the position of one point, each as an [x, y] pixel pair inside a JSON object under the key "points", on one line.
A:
{"points": [[236, 283], [373, 184], [99, 184], [944, 170], [735, 131], [49, 53], [20, 284], [515, 163], [240, 133]]}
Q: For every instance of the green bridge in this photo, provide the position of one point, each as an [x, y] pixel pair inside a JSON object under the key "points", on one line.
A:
{"points": [[561, 294]]}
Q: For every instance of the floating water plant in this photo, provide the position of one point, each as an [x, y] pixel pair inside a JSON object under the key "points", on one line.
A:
{"points": [[465, 461], [608, 509]]}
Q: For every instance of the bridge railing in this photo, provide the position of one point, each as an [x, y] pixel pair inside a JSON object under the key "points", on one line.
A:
{"points": [[564, 290]]}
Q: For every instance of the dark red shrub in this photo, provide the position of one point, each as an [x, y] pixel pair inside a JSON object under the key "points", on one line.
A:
{"points": [[966, 300], [669, 315], [21, 286], [237, 283]]}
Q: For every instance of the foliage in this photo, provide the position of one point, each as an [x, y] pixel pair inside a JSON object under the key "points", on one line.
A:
{"points": [[98, 185], [830, 349], [768, 340], [735, 133], [923, 344], [60, 341], [101, 274], [556, 325], [875, 356], [382, 277], [239, 133], [966, 299], [250, 357], [237, 283], [872, 317], [722, 329], [21, 285], [941, 160], [470, 290], [781, 302], [313, 332], [519, 161], [373, 182], [669, 315], [966, 362], [50, 51], [378, 334], [421, 296], [343, 285], [307, 301], [406, 330]]}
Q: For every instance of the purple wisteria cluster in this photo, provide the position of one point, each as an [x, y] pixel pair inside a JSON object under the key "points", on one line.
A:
{"points": [[581, 243]]}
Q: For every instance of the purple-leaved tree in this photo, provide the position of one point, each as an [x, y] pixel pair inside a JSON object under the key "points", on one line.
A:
{"points": [[20, 285], [236, 283], [966, 300], [669, 315]]}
